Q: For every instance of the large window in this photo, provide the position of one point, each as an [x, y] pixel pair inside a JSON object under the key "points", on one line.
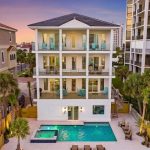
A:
{"points": [[98, 109]]}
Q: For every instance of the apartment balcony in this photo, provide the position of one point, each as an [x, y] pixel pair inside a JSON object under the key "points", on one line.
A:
{"points": [[140, 23], [49, 72], [76, 72], [138, 50], [98, 96], [74, 40], [48, 47], [137, 63], [80, 94], [48, 95], [141, 9], [139, 37]]}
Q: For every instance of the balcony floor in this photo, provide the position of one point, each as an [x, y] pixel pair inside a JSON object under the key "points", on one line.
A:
{"points": [[73, 96], [49, 96], [97, 96], [74, 73]]}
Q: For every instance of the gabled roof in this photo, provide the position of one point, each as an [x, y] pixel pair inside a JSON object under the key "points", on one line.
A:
{"points": [[11, 48], [3, 26], [66, 18]]}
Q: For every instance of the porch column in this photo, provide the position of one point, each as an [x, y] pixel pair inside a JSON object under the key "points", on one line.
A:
{"points": [[87, 63], [60, 62], [36, 39]]}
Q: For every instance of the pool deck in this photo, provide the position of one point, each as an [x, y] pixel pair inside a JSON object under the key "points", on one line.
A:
{"points": [[121, 143]]}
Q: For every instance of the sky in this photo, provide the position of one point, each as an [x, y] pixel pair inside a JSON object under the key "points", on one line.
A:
{"points": [[20, 13]]}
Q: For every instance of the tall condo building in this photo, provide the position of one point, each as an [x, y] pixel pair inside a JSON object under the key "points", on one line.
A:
{"points": [[74, 68], [137, 52]]}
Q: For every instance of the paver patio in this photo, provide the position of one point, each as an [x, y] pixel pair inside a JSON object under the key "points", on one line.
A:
{"points": [[121, 143]]}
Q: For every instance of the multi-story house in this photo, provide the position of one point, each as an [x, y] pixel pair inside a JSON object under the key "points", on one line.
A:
{"points": [[137, 54], [7, 48], [74, 68]]}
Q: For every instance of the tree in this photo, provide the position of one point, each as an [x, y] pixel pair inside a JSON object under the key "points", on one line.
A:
{"points": [[29, 88], [8, 85], [19, 129], [21, 57], [133, 87], [30, 59], [122, 72], [146, 101]]}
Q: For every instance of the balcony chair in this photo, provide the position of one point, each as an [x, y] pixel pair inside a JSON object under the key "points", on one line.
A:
{"points": [[103, 46], [100, 147], [87, 147], [93, 46], [74, 147], [44, 46], [81, 92], [52, 46], [105, 91], [65, 93]]}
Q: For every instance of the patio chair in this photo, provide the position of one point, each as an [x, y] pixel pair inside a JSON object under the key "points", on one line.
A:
{"points": [[103, 46], [52, 46], [126, 127], [74, 147], [81, 92], [65, 93], [128, 136], [121, 123], [44, 46], [93, 46], [100, 147], [87, 147], [105, 92]]}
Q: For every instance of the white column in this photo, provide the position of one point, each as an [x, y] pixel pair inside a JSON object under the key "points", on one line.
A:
{"points": [[87, 63], [145, 35], [110, 62], [36, 39], [60, 62]]}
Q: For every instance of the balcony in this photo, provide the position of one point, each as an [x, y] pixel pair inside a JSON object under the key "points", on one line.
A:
{"points": [[139, 37], [48, 40], [74, 40], [76, 72], [137, 63], [49, 71], [98, 96], [140, 23], [141, 9], [47, 95], [80, 94]]}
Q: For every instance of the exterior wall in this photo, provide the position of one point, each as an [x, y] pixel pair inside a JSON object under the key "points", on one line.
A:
{"points": [[7, 39], [53, 110]]}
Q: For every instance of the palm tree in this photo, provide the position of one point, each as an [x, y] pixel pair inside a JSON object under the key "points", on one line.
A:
{"points": [[133, 88], [146, 101], [19, 129], [29, 88], [30, 59], [21, 57], [8, 85], [122, 72]]}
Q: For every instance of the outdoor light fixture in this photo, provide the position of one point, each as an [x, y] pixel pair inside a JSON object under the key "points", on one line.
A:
{"points": [[81, 109], [64, 110]]}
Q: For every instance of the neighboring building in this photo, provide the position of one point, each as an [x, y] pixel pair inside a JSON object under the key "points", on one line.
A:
{"points": [[137, 52], [74, 68], [118, 37], [7, 48], [26, 47]]}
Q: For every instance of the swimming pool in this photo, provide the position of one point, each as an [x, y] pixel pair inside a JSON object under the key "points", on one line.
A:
{"points": [[90, 132]]}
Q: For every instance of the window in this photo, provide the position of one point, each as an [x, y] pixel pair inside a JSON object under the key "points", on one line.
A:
{"points": [[3, 59], [98, 109], [10, 37]]}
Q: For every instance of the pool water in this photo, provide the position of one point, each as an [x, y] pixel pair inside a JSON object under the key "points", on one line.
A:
{"points": [[44, 134], [87, 132]]}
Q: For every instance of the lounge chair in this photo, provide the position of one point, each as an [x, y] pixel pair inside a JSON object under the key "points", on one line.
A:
{"points": [[93, 46], [74, 147], [87, 147], [128, 136], [126, 127], [121, 123], [100, 147]]}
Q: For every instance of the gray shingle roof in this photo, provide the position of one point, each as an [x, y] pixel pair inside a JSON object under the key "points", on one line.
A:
{"points": [[66, 18]]}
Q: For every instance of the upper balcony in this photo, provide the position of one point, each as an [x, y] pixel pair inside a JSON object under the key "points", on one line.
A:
{"points": [[99, 40], [74, 40], [48, 40]]}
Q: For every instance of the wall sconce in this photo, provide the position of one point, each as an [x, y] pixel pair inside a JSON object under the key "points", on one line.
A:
{"points": [[81, 109], [64, 110]]}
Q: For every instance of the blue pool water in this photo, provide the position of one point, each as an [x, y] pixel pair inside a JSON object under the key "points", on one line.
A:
{"points": [[87, 132]]}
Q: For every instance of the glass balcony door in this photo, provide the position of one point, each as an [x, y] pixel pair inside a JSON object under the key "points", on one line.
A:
{"points": [[93, 86], [73, 112]]}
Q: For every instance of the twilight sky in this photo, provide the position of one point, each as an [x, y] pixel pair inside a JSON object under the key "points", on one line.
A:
{"points": [[20, 13]]}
